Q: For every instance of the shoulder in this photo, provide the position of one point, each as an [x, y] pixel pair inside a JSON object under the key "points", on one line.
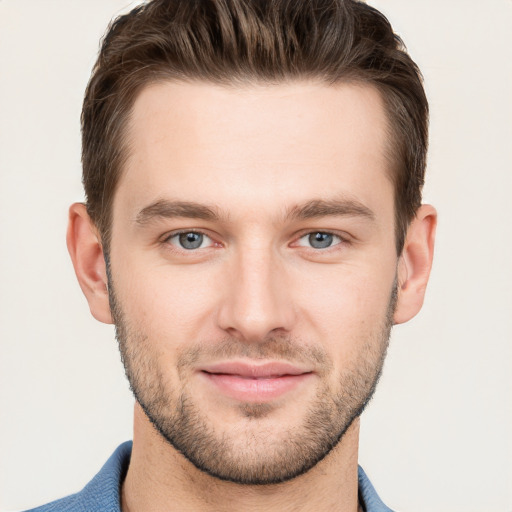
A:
{"points": [[102, 493], [368, 495]]}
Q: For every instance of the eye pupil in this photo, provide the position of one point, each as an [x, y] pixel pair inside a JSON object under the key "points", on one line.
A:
{"points": [[191, 240], [320, 240]]}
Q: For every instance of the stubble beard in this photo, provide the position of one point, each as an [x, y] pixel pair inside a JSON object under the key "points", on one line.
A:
{"points": [[251, 455]]}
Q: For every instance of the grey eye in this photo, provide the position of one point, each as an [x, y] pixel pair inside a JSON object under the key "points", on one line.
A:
{"points": [[190, 240], [319, 240]]}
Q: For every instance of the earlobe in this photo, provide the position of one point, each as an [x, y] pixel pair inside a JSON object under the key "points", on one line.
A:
{"points": [[86, 251], [415, 263]]}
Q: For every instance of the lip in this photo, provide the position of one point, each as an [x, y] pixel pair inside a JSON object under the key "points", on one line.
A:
{"points": [[255, 382]]}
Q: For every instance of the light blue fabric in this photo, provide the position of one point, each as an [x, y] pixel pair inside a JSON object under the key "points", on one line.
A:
{"points": [[102, 493], [368, 496]]}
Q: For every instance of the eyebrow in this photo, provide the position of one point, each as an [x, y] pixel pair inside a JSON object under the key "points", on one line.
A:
{"points": [[316, 208], [329, 208], [166, 209]]}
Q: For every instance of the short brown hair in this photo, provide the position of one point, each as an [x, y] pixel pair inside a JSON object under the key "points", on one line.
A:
{"points": [[269, 41]]}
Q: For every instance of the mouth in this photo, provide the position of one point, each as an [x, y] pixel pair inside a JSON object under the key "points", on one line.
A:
{"points": [[255, 382]]}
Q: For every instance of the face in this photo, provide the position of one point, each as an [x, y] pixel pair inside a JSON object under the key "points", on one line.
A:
{"points": [[253, 269]]}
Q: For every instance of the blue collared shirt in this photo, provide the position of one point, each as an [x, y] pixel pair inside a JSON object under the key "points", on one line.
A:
{"points": [[102, 493]]}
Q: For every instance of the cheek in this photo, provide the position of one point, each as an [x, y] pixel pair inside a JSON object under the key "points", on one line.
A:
{"points": [[164, 301], [346, 306]]}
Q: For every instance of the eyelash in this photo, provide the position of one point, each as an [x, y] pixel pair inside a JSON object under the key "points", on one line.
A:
{"points": [[343, 240], [174, 234]]}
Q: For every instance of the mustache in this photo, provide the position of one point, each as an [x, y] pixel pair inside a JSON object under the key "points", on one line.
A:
{"points": [[281, 348]]}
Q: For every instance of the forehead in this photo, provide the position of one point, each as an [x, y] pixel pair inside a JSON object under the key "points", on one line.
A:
{"points": [[255, 144]]}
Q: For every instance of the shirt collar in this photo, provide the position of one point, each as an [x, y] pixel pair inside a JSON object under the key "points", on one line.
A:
{"points": [[104, 489]]}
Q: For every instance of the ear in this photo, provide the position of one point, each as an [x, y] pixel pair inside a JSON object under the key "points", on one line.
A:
{"points": [[415, 263], [86, 251]]}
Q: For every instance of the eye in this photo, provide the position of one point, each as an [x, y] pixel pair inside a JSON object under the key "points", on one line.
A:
{"points": [[319, 240], [190, 240]]}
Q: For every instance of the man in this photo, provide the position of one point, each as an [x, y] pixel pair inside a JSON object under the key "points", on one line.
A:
{"points": [[254, 228]]}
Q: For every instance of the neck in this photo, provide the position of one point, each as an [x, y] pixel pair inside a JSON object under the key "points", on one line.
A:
{"points": [[161, 479]]}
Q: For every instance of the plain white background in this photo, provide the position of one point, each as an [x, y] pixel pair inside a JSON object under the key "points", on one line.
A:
{"points": [[437, 436]]}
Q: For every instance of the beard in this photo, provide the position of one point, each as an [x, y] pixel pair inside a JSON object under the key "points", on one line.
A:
{"points": [[252, 451]]}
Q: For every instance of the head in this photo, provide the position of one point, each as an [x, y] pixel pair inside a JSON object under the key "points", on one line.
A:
{"points": [[253, 226]]}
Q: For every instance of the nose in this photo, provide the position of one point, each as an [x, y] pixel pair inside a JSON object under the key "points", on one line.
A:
{"points": [[257, 301]]}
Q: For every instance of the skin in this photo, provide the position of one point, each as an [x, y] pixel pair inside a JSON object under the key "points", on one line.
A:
{"points": [[252, 155]]}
